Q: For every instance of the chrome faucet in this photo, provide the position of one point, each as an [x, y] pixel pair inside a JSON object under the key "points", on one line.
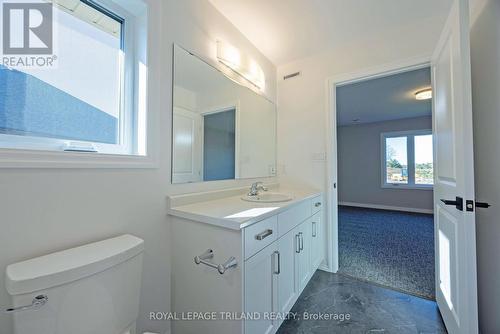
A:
{"points": [[256, 187]]}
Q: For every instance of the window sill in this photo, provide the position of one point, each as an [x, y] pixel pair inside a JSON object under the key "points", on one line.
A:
{"points": [[407, 187], [16, 158]]}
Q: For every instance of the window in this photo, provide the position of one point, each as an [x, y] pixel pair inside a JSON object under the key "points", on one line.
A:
{"points": [[407, 159], [424, 172], [85, 101], [396, 154]]}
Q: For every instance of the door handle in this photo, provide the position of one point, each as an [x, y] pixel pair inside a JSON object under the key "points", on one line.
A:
{"points": [[301, 239], [277, 272], [458, 203], [263, 235], [37, 302], [482, 205], [469, 205], [314, 228], [297, 243]]}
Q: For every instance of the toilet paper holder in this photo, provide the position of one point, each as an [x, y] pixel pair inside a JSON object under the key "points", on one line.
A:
{"points": [[209, 254]]}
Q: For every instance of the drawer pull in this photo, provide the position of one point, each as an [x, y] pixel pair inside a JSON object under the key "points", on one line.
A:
{"points": [[263, 235], [317, 204], [277, 272]]}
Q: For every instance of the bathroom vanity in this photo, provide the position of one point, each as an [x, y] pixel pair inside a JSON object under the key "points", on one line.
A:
{"points": [[239, 266], [241, 257]]}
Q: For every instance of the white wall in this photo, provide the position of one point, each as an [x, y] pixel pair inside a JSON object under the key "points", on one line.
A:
{"points": [[301, 100], [302, 116], [359, 174], [52, 209], [485, 56]]}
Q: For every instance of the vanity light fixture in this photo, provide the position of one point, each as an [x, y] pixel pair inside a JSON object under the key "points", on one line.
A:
{"points": [[424, 94], [241, 64]]}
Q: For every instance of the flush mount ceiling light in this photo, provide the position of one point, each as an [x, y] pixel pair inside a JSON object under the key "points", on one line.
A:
{"points": [[241, 64], [424, 94]]}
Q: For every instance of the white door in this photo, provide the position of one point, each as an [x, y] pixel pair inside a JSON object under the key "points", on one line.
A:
{"points": [[455, 234], [316, 244], [261, 290], [287, 289], [187, 147], [302, 255]]}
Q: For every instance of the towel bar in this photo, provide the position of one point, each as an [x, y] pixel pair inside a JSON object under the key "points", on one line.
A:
{"points": [[208, 254]]}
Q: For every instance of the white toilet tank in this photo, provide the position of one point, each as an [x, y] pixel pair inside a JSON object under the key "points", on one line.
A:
{"points": [[92, 289]]}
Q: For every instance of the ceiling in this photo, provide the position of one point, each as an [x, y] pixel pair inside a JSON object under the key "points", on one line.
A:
{"points": [[384, 99], [287, 30]]}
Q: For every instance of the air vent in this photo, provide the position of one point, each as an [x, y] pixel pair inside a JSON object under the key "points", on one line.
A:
{"points": [[291, 75]]}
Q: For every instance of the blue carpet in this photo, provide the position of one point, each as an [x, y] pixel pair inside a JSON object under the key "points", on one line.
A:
{"points": [[390, 248]]}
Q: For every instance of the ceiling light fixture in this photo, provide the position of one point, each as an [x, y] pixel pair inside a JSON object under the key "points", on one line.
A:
{"points": [[424, 94], [241, 64]]}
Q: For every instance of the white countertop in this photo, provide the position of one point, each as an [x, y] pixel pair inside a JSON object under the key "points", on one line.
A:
{"points": [[231, 211]]}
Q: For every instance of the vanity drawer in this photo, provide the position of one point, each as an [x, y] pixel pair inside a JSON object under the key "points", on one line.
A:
{"points": [[316, 204], [292, 217], [259, 235]]}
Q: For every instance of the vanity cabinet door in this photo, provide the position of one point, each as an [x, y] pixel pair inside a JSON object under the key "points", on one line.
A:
{"points": [[315, 232], [287, 286], [302, 255], [261, 280]]}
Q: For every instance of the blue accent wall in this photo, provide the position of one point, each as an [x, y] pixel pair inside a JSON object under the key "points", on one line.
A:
{"points": [[219, 147], [31, 107]]}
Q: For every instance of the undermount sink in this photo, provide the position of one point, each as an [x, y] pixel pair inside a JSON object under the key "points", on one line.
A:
{"points": [[268, 198]]}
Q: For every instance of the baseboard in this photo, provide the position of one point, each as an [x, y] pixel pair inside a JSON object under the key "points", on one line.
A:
{"points": [[324, 267], [386, 207]]}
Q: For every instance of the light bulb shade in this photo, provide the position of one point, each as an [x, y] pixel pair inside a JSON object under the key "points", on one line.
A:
{"points": [[424, 94], [241, 64]]}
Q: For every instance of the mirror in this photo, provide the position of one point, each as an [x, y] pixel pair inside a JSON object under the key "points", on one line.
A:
{"points": [[221, 130]]}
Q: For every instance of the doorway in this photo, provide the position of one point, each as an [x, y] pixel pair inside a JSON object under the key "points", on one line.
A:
{"points": [[219, 145], [385, 180]]}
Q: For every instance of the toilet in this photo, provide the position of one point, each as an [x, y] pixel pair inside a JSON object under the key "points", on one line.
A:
{"points": [[88, 289]]}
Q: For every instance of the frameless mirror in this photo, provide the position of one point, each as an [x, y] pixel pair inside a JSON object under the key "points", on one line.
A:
{"points": [[221, 130]]}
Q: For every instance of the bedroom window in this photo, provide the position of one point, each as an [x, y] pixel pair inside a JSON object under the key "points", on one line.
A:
{"points": [[407, 159]]}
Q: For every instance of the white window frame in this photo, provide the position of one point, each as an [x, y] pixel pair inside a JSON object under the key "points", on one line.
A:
{"points": [[410, 151], [46, 152]]}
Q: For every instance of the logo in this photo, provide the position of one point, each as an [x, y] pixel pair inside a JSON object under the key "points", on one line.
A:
{"points": [[27, 34], [27, 28]]}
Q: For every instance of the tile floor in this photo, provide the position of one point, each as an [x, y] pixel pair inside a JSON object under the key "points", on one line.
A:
{"points": [[371, 309]]}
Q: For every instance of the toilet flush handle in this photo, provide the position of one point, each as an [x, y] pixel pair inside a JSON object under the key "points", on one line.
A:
{"points": [[37, 302]]}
